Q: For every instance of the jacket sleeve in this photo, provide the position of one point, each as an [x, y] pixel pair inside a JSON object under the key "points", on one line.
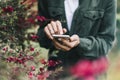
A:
{"points": [[42, 10], [100, 44]]}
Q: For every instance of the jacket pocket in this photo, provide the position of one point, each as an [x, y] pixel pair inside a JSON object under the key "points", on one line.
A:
{"points": [[94, 15], [90, 19]]}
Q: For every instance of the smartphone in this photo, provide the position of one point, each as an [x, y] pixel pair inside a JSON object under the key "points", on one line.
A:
{"points": [[61, 36]]}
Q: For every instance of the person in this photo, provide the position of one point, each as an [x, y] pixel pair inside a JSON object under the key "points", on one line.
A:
{"points": [[90, 24]]}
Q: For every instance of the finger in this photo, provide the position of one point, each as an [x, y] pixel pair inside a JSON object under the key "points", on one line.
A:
{"points": [[47, 33], [73, 38], [74, 43], [56, 47], [60, 46], [68, 43], [54, 26], [64, 30], [59, 26], [50, 28]]}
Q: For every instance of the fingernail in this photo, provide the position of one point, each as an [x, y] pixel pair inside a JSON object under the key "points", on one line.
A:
{"points": [[51, 38], [61, 32]]}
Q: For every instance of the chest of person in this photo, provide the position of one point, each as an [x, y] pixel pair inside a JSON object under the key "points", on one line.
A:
{"points": [[86, 19]]}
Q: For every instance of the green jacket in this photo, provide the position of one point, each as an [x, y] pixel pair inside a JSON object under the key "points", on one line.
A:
{"points": [[94, 22]]}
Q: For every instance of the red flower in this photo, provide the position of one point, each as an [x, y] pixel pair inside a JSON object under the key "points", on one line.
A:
{"points": [[5, 49], [31, 20], [101, 64], [10, 59], [41, 69], [82, 69], [33, 68], [43, 76], [52, 63], [90, 78], [31, 49], [89, 68], [30, 74], [46, 74], [41, 18], [8, 9], [42, 61], [40, 77], [34, 37]]}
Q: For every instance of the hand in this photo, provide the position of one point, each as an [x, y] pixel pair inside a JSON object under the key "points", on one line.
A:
{"points": [[60, 46], [55, 27], [73, 42], [67, 45]]}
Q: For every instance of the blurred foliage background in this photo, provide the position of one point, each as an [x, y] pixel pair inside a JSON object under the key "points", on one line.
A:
{"points": [[114, 55]]}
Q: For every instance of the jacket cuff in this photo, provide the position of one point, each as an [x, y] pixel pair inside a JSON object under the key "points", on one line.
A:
{"points": [[84, 48]]}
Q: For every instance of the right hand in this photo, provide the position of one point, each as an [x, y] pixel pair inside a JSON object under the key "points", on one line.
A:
{"points": [[54, 27]]}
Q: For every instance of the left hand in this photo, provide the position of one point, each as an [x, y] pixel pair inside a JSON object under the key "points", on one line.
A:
{"points": [[73, 42]]}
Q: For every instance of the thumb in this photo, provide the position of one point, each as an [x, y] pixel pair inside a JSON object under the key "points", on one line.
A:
{"points": [[74, 38], [64, 30]]}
